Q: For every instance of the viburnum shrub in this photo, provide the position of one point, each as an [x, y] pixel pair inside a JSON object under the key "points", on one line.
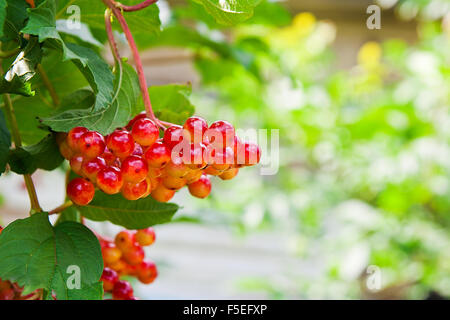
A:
{"points": [[126, 157]]}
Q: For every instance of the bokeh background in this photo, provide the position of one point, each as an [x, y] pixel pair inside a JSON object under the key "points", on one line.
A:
{"points": [[364, 178]]}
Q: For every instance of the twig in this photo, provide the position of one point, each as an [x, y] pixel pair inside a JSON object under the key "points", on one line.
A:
{"points": [[61, 208], [48, 85], [137, 59], [9, 111], [136, 7]]}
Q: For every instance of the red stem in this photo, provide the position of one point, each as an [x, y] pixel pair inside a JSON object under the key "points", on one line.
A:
{"points": [[111, 40], [136, 7], [137, 59]]}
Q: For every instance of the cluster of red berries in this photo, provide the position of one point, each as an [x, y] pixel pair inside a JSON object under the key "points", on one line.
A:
{"points": [[136, 162], [125, 256]]}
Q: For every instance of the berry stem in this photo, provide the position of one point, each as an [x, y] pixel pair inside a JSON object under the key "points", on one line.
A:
{"points": [[137, 60], [136, 7], [9, 111], [61, 208], [113, 45], [48, 85]]}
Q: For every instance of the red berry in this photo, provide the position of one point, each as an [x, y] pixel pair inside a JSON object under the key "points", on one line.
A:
{"points": [[157, 155], [134, 169], [135, 255], [145, 237], [155, 172], [229, 174], [138, 151], [80, 191], [119, 266], [147, 272], [135, 191], [122, 290], [136, 118], [124, 240], [91, 168], [173, 136], [193, 176], [252, 153], [195, 158], [73, 137], [195, 128], [220, 158], [173, 183], [201, 188], [7, 294], [131, 270], [111, 253], [65, 150], [91, 144], [145, 132], [176, 168], [221, 133], [212, 172], [1, 229], [121, 143], [75, 164], [110, 180], [109, 278], [110, 159], [162, 194]]}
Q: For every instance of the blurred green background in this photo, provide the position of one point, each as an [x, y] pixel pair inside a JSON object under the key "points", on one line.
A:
{"points": [[364, 145]]}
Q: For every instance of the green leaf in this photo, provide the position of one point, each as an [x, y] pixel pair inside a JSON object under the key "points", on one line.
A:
{"points": [[98, 74], [15, 20], [229, 12], [171, 102], [42, 23], [117, 114], [80, 99], [3, 5], [5, 143], [69, 214], [93, 14], [65, 79], [16, 80], [43, 155], [137, 214], [37, 255]]}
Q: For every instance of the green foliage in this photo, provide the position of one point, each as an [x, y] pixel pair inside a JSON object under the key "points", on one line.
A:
{"points": [[171, 102], [42, 23], [15, 19], [3, 5], [22, 70], [43, 155], [92, 13], [37, 255], [5, 143], [116, 114], [229, 12], [138, 214]]}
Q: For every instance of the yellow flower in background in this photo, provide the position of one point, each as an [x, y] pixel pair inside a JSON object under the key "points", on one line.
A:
{"points": [[370, 54], [304, 23]]}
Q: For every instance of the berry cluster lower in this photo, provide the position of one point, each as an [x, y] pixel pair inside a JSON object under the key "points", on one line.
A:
{"points": [[125, 257], [136, 162]]}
